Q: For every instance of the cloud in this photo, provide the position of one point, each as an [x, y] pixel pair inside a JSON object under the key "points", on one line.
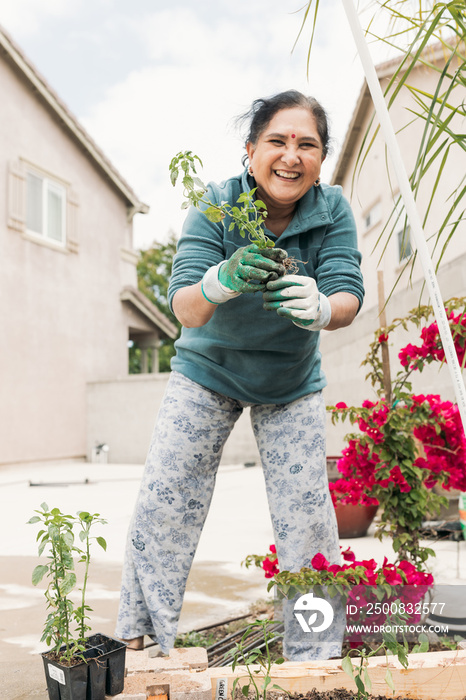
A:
{"points": [[25, 17], [203, 65]]}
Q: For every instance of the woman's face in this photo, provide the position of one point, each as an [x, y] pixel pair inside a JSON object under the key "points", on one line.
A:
{"points": [[287, 157]]}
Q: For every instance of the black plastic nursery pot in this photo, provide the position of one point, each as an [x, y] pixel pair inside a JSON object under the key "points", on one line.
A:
{"points": [[101, 673], [113, 655], [65, 682]]}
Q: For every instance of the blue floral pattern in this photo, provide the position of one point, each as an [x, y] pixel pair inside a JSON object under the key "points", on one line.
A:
{"points": [[176, 489]]}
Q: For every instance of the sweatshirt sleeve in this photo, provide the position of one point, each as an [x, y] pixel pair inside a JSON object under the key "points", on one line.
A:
{"points": [[201, 245], [339, 260]]}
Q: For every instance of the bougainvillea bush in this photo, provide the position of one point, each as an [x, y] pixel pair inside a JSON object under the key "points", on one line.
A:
{"points": [[407, 444], [372, 592]]}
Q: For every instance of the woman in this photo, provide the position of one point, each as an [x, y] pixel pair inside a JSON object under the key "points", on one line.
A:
{"points": [[250, 338]]}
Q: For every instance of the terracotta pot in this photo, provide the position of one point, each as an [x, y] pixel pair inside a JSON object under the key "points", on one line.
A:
{"points": [[354, 520]]}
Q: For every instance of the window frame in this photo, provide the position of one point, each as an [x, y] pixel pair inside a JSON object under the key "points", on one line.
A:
{"points": [[368, 226], [402, 231], [48, 184]]}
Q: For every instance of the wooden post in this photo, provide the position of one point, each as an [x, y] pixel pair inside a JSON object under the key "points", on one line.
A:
{"points": [[387, 381]]}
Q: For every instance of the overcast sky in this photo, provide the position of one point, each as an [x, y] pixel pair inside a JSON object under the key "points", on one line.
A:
{"points": [[149, 78]]}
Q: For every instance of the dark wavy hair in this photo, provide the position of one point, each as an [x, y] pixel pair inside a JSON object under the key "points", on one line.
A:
{"points": [[262, 111]]}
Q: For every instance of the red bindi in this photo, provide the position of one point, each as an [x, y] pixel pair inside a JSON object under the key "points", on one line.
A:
{"points": [[293, 136]]}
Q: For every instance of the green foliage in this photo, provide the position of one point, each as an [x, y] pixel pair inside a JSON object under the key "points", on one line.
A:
{"points": [[194, 639], [248, 218], [257, 679], [412, 29], [389, 645], [154, 269], [85, 521], [57, 540], [392, 443], [451, 643]]}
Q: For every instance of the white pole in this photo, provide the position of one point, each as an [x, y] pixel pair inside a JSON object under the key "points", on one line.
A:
{"points": [[410, 206]]}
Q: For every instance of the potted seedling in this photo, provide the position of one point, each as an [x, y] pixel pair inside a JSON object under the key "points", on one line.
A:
{"points": [[77, 666], [248, 215]]}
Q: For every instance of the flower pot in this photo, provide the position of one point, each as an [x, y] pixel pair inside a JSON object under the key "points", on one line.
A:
{"points": [[65, 682], [112, 657], [101, 673], [354, 520]]}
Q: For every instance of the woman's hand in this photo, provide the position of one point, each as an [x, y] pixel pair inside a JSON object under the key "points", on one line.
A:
{"points": [[250, 268], [296, 297]]}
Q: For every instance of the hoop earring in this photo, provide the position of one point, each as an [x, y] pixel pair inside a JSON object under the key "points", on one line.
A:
{"points": [[317, 182], [250, 170]]}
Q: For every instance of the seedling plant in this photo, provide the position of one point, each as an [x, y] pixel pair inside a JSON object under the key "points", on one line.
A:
{"points": [[389, 645], [260, 656], [248, 215], [57, 540]]}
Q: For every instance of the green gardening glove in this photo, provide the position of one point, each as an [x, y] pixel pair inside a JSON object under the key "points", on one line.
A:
{"points": [[250, 268]]}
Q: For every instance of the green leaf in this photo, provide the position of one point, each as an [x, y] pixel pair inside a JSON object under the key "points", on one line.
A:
{"points": [[68, 583], [360, 685], [102, 542], [34, 519], [39, 573], [389, 680], [367, 680], [214, 214], [347, 667]]}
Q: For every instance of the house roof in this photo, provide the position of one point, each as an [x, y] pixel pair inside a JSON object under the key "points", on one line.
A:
{"points": [[149, 310], [13, 53], [363, 104]]}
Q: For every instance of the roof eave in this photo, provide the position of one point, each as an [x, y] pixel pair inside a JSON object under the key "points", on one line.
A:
{"points": [[71, 123], [149, 310], [384, 70]]}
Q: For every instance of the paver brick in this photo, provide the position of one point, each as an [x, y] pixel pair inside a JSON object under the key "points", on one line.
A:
{"points": [[184, 659], [195, 686], [195, 657], [141, 662], [187, 685]]}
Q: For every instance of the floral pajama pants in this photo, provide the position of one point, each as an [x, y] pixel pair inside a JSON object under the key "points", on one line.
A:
{"points": [[177, 486]]}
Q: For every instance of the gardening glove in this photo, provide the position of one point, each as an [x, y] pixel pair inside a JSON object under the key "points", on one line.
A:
{"points": [[296, 297], [248, 270]]}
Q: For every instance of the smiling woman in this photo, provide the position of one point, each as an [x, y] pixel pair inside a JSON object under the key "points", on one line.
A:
{"points": [[250, 338], [285, 162], [287, 143]]}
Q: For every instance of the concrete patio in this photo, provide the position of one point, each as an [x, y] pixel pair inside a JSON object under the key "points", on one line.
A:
{"points": [[218, 587]]}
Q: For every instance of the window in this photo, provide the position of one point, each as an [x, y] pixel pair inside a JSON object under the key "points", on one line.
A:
{"points": [[373, 216], [45, 208], [402, 230]]}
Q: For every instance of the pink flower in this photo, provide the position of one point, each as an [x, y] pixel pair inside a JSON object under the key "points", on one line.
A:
{"points": [[270, 567], [393, 577], [348, 555], [319, 562]]}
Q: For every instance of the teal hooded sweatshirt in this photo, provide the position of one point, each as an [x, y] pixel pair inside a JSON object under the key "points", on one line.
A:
{"points": [[244, 351]]}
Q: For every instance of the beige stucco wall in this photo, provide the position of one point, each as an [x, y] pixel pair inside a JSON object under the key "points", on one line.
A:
{"points": [[62, 323], [344, 350], [122, 414], [372, 184]]}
